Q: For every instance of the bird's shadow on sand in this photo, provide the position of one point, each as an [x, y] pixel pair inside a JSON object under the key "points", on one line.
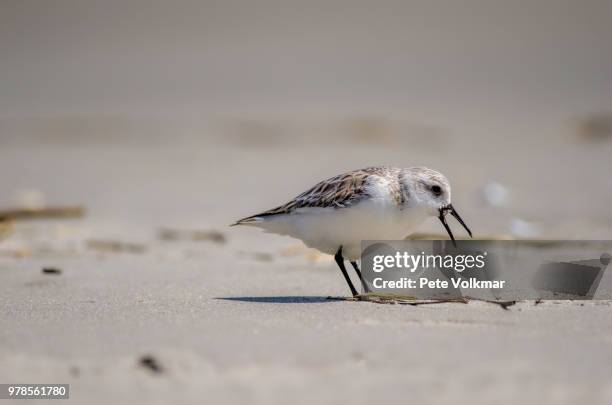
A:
{"points": [[300, 299]]}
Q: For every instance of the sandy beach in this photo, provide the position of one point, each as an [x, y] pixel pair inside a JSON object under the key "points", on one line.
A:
{"points": [[151, 126], [158, 299]]}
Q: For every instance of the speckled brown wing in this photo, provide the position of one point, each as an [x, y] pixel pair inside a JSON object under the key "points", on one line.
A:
{"points": [[339, 191]]}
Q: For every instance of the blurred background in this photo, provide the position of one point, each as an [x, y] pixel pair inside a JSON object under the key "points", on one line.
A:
{"points": [[213, 110], [159, 123]]}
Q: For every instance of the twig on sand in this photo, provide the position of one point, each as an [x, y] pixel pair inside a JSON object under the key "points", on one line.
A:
{"points": [[68, 211], [502, 304], [378, 298], [51, 270]]}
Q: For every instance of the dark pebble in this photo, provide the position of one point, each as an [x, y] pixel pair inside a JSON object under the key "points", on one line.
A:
{"points": [[151, 363], [51, 270]]}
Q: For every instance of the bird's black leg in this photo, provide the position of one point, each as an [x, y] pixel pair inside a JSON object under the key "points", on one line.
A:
{"points": [[356, 267], [357, 270], [340, 261]]}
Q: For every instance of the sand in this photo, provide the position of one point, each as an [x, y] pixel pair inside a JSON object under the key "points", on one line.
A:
{"points": [[169, 121], [147, 311]]}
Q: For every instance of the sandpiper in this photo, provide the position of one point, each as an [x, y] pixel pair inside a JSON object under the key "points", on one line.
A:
{"points": [[375, 203]]}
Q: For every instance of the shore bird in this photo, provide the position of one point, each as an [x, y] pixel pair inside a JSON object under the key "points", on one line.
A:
{"points": [[375, 203]]}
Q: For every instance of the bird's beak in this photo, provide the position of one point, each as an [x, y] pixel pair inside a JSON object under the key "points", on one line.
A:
{"points": [[442, 217]]}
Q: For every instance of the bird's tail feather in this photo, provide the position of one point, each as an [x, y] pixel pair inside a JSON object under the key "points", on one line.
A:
{"points": [[254, 220]]}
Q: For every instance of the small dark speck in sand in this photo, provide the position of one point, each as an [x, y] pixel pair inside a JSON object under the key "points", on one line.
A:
{"points": [[51, 270], [149, 362]]}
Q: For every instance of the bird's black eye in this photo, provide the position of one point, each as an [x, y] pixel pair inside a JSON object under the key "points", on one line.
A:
{"points": [[437, 190]]}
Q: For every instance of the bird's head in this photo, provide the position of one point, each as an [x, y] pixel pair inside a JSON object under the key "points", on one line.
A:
{"points": [[431, 191]]}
